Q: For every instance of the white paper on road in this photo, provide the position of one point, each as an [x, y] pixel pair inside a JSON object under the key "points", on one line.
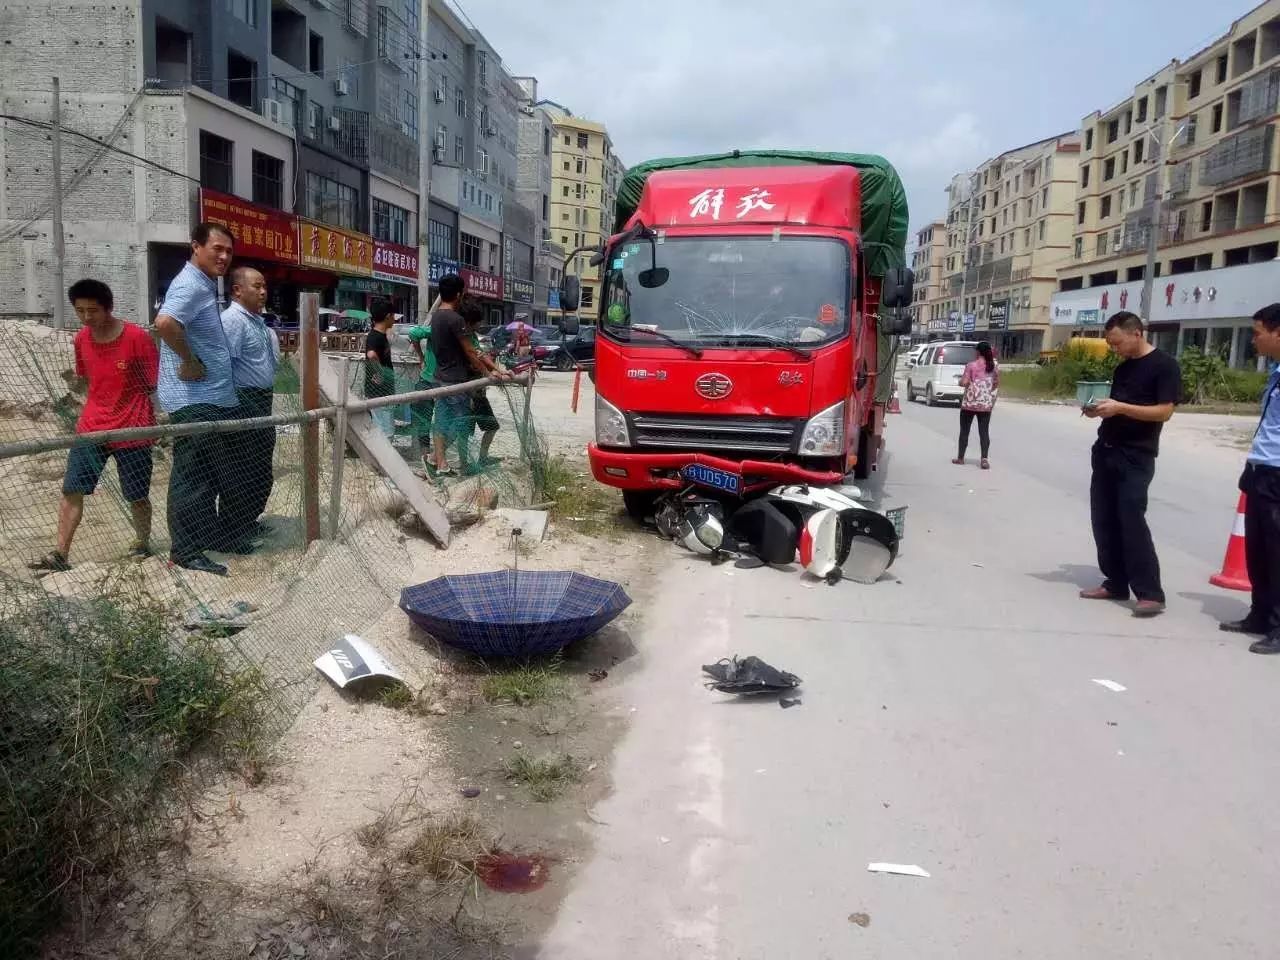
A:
{"points": [[902, 869], [1111, 685]]}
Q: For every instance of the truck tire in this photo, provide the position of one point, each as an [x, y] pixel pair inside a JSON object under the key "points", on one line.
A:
{"points": [[929, 399], [639, 504]]}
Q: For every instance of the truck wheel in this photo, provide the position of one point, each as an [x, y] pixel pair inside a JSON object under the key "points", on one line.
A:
{"points": [[929, 399], [639, 504], [564, 362]]}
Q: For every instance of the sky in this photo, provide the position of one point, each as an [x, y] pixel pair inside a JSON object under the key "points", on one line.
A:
{"points": [[936, 87]]}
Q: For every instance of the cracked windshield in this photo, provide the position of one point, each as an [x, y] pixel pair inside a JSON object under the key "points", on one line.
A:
{"points": [[748, 290]]}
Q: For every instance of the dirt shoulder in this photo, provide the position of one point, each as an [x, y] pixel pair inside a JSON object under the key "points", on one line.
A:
{"points": [[386, 821]]}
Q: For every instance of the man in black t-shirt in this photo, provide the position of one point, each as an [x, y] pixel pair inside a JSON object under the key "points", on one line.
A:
{"points": [[1144, 389], [458, 360], [379, 375]]}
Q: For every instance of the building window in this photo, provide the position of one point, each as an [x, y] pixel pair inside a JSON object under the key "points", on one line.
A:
{"points": [[583, 141], [1193, 85], [565, 188], [482, 64], [216, 157], [579, 165], [268, 180], [1220, 72], [1078, 251], [1189, 131], [1139, 148], [459, 150], [588, 297], [390, 222], [1084, 175], [1109, 169], [315, 120], [315, 52], [1088, 139], [1080, 212], [1206, 216], [469, 249], [1124, 162], [332, 202], [1044, 199], [1113, 131], [1217, 118], [1142, 110], [246, 10], [242, 78], [440, 239], [410, 118], [460, 102], [1105, 210], [1042, 228]]}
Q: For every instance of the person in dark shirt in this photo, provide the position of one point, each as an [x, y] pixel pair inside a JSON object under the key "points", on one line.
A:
{"points": [[1144, 389], [379, 375], [458, 360]]}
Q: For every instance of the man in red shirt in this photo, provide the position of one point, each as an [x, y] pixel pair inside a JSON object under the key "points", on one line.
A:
{"points": [[120, 363]]}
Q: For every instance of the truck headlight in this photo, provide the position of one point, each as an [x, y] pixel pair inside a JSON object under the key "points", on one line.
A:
{"points": [[611, 425], [823, 435]]}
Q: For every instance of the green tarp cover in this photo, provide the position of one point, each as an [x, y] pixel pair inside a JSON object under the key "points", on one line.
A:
{"points": [[884, 202]]}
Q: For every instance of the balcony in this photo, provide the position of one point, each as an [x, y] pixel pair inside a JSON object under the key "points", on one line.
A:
{"points": [[395, 44], [392, 151], [1242, 155]]}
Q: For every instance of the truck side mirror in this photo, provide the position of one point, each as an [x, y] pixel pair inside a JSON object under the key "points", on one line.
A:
{"points": [[896, 288], [569, 325], [570, 293]]}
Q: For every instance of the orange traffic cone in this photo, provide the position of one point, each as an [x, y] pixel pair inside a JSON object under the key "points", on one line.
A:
{"points": [[1235, 573], [894, 405]]}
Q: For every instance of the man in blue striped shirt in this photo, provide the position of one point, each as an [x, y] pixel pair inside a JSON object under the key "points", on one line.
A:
{"points": [[1260, 484], [255, 357], [195, 385]]}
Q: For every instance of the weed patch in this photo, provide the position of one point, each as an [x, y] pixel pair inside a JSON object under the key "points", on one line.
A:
{"points": [[545, 777]]}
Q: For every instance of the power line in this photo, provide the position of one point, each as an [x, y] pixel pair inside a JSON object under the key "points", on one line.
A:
{"points": [[40, 125]]}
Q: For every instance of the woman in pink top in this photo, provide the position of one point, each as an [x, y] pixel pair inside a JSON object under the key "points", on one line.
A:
{"points": [[981, 382]]}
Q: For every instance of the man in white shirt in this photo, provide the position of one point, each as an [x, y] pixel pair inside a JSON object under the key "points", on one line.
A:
{"points": [[255, 357]]}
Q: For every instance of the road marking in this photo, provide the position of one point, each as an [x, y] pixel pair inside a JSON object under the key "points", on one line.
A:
{"points": [[1111, 685]]}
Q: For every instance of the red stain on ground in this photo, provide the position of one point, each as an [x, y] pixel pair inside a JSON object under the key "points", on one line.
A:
{"points": [[509, 873]]}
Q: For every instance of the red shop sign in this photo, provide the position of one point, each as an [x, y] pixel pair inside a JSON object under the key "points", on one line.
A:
{"points": [[392, 261], [482, 284], [261, 233]]}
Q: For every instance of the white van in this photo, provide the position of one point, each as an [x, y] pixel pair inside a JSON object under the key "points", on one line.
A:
{"points": [[937, 373]]}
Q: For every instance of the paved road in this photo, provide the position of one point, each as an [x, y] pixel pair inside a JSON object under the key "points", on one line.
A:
{"points": [[950, 721]]}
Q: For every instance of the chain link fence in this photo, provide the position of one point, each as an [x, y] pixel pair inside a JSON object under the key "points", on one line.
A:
{"points": [[122, 671]]}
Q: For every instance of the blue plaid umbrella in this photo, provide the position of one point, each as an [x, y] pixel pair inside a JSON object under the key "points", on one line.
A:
{"points": [[513, 614]]}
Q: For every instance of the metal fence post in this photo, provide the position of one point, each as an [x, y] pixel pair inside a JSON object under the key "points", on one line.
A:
{"points": [[309, 357], [339, 448]]}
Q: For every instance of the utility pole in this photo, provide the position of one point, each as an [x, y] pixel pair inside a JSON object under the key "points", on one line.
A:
{"points": [[425, 143], [974, 181], [1157, 209], [59, 242]]}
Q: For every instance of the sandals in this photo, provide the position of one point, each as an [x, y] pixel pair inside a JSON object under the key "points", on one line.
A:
{"points": [[986, 464], [53, 562], [958, 461]]}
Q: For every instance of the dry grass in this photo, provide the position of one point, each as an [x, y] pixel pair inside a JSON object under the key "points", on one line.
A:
{"points": [[447, 848], [545, 777]]}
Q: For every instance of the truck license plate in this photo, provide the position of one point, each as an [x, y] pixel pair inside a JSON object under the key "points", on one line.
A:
{"points": [[712, 477]]}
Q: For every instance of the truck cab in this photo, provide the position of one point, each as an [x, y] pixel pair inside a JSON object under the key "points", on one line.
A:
{"points": [[737, 346]]}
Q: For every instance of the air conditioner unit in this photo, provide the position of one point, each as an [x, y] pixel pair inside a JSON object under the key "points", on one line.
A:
{"points": [[274, 111], [438, 95], [1026, 301], [335, 124], [437, 153], [404, 128], [341, 87], [489, 131], [441, 140]]}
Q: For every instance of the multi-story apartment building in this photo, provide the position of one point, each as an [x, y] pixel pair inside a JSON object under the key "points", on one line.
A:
{"points": [[1008, 227], [926, 262], [585, 175], [533, 190], [298, 124], [1202, 130]]}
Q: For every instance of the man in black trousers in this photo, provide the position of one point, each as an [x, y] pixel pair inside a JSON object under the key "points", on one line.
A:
{"points": [[1144, 389], [1260, 484]]}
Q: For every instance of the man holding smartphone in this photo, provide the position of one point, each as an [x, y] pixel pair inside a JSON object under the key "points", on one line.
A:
{"points": [[1144, 389]]}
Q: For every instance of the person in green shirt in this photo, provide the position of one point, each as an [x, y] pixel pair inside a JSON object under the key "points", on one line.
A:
{"points": [[424, 410]]}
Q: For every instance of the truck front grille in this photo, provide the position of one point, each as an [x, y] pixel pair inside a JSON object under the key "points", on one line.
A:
{"points": [[693, 432]]}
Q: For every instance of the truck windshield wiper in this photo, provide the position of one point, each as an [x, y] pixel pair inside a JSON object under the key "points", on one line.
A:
{"points": [[693, 351], [769, 341]]}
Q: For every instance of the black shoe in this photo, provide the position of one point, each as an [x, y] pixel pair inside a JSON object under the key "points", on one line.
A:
{"points": [[1242, 626], [1270, 644], [200, 564]]}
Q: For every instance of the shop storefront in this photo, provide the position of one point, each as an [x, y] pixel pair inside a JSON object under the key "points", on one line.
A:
{"points": [[267, 240], [340, 253], [1207, 309], [519, 300], [438, 267], [489, 288], [396, 267]]}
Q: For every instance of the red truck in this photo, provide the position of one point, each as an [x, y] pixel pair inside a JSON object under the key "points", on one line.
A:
{"points": [[749, 309]]}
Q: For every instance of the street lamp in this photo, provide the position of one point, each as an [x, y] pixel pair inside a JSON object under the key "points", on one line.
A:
{"points": [[1157, 206]]}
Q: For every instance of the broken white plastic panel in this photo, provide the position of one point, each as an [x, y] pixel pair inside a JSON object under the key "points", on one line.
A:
{"points": [[352, 659], [1111, 685], [901, 869]]}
